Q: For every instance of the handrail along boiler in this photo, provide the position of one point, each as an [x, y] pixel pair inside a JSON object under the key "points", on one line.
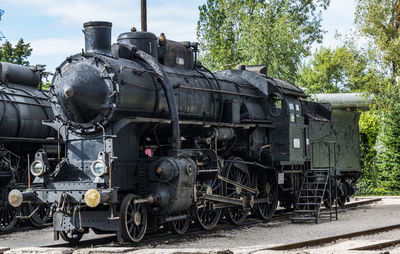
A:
{"points": [[152, 137]]}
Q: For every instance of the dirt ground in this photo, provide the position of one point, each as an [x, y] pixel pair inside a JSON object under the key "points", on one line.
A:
{"points": [[255, 238]]}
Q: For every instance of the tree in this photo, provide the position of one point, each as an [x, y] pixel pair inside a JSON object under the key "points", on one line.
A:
{"points": [[388, 157], [275, 33], [17, 54], [379, 22], [344, 69], [370, 128]]}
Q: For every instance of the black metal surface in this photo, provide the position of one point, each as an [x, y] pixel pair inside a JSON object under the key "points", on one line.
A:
{"points": [[164, 132], [145, 41], [22, 109], [17, 74], [98, 37]]}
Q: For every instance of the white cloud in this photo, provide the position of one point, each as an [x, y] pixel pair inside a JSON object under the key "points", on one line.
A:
{"points": [[73, 11], [337, 18], [50, 46], [121, 13], [177, 22]]}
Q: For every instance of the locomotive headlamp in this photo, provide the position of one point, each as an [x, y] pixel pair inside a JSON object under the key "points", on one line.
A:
{"points": [[92, 197], [15, 198], [38, 168], [98, 168]]}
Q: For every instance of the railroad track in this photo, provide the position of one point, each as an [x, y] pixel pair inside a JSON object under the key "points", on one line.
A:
{"points": [[327, 240], [379, 246], [22, 228], [166, 236]]}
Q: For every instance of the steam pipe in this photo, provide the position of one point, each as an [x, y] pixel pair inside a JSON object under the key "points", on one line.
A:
{"points": [[175, 141], [345, 100]]}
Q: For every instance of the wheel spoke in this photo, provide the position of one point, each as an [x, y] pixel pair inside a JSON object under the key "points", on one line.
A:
{"points": [[130, 231], [266, 210], [8, 217], [206, 217], [237, 215]]}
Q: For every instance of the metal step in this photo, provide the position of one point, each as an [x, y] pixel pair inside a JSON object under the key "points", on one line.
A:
{"points": [[317, 177], [320, 169], [311, 194], [319, 203], [312, 189], [303, 218], [305, 211]]}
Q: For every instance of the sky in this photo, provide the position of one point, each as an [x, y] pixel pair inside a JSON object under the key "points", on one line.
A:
{"points": [[54, 27]]}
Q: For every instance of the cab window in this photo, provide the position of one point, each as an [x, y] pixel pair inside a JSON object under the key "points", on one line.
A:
{"points": [[275, 104]]}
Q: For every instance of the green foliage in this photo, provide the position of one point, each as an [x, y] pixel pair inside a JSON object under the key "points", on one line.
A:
{"points": [[344, 69], [370, 128], [379, 21], [46, 85], [17, 54], [388, 157], [275, 33], [370, 67]]}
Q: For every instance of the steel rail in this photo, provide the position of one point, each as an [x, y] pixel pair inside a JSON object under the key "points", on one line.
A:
{"points": [[379, 246], [362, 202], [320, 241]]}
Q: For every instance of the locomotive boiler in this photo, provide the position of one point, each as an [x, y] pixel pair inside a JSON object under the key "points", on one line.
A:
{"points": [[22, 108], [154, 138]]}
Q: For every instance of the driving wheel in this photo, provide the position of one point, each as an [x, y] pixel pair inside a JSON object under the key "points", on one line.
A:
{"points": [[268, 194], [239, 173]]}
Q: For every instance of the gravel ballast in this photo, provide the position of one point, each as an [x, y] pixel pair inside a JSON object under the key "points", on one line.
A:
{"points": [[252, 238]]}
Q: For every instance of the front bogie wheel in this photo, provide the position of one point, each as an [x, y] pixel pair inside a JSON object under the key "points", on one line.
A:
{"points": [[8, 216], [39, 214], [133, 219], [71, 237]]}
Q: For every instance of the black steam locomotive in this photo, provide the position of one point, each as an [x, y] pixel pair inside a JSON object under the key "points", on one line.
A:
{"points": [[22, 109], [154, 138]]}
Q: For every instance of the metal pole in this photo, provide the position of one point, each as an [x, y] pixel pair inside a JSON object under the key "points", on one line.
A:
{"points": [[144, 16], [29, 174]]}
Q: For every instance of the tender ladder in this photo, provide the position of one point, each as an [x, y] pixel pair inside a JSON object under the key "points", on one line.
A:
{"points": [[314, 188]]}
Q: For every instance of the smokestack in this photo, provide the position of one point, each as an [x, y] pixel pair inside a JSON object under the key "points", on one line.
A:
{"points": [[144, 16], [98, 37]]}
